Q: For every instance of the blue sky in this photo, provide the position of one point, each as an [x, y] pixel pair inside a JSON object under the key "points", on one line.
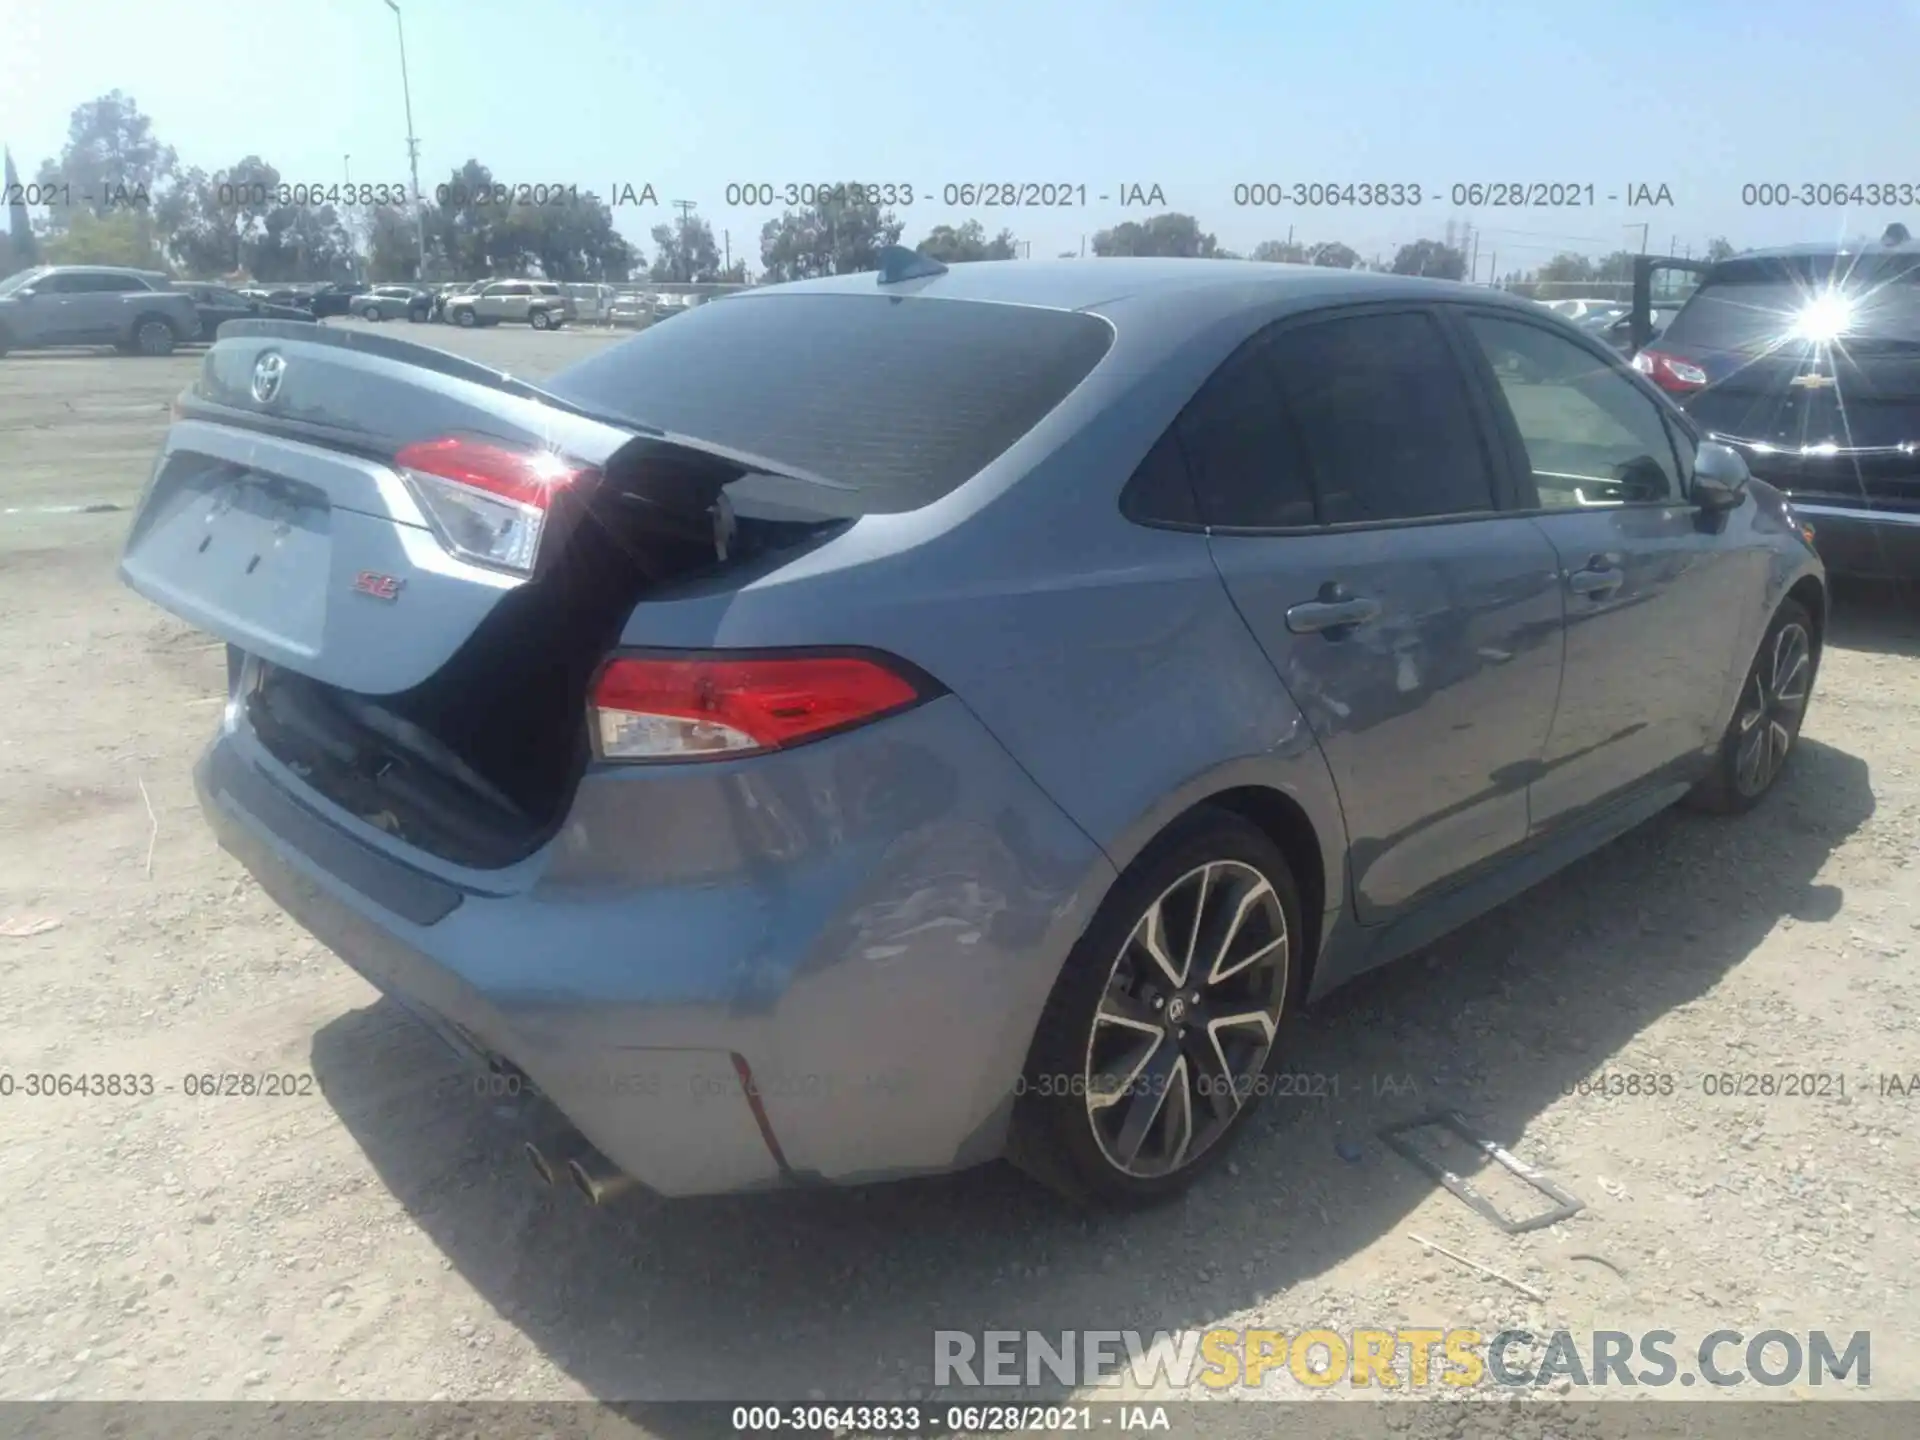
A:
{"points": [[1194, 97]]}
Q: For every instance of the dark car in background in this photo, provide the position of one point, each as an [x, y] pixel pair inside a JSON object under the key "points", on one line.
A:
{"points": [[335, 298], [1806, 360], [217, 304]]}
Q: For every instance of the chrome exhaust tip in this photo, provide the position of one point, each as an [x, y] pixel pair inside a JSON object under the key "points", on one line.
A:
{"points": [[598, 1178]]}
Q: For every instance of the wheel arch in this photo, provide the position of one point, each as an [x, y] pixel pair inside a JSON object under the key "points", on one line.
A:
{"points": [[145, 315], [139, 322], [1313, 848], [1811, 595]]}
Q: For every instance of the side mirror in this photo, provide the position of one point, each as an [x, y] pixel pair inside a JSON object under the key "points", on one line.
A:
{"points": [[1720, 477], [25, 294]]}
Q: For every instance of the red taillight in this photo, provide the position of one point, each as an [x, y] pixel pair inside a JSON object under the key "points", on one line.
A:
{"points": [[487, 502], [716, 707], [1669, 372]]}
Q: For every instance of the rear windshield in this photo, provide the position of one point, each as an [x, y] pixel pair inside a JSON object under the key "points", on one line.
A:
{"points": [[902, 398], [1761, 304]]}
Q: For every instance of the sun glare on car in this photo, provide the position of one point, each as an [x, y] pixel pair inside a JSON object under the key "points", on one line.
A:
{"points": [[1824, 319]]}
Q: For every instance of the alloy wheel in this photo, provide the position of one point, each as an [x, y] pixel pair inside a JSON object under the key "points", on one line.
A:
{"points": [[1187, 1019], [154, 338], [1770, 708]]}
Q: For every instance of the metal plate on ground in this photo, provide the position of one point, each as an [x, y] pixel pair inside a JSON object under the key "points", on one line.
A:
{"points": [[1396, 1138]]}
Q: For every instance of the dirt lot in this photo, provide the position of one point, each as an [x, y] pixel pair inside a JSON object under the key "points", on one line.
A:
{"points": [[383, 1238]]}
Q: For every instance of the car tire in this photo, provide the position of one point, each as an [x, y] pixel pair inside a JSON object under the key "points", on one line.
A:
{"points": [[1115, 1020], [539, 319], [1767, 717], [465, 319], [153, 336], [374, 313]]}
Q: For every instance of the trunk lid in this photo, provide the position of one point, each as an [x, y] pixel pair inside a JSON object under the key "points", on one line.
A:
{"points": [[437, 699], [275, 519], [1864, 396]]}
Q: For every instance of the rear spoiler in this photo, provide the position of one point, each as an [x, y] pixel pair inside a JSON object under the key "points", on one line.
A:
{"points": [[459, 368], [676, 499]]}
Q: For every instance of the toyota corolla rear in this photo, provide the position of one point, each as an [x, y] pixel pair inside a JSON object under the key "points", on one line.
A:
{"points": [[501, 733], [1809, 364]]}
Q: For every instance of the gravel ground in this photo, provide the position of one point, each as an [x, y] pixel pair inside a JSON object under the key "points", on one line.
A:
{"points": [[379, 1237]]}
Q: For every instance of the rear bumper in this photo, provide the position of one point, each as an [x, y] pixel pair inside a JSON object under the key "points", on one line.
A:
{"points": [[872, 923], [1870, 544]]}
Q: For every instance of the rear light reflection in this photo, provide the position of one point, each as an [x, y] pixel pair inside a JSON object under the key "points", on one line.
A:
{"points": [[1669, 372], [719, 707], [487, 503]]}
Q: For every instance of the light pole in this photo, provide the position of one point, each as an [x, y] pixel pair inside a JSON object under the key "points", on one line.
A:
{"points": [[413, 145], [353, 230]]}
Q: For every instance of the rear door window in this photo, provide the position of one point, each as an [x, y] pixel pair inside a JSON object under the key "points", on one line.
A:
{"points": [[901, 398], [1385, 418]]}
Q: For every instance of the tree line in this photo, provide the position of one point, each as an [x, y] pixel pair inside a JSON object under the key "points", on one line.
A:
{"points": [[116, 195]]}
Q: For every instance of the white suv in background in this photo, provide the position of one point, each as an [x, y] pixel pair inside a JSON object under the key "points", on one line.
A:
{"points": [[539, 303]]}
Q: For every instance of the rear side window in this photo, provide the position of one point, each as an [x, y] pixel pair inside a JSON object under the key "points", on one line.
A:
{"points": [[902, 398], [1161, 491], [1383, 414], [1241, 451]]}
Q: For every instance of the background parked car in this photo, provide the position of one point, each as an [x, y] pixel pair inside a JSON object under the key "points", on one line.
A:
{"points": [[539, 303], [334, 298], [1578, 307], [1806, 359], [390, 302], [1615, 324], [630, 310], [278, 296], [217, 304], [137, 311]]}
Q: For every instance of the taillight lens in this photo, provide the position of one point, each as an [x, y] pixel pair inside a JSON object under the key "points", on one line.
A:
{"points": [[488, 503], [712, 707], [1669, 372]]}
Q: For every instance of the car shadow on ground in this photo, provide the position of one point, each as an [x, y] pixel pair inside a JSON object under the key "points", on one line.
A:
{"points": [[1880, 619], [837, 1293]]}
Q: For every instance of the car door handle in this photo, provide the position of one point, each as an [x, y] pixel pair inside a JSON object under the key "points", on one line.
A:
{"points": [[1317, 616], [1596, 580]]}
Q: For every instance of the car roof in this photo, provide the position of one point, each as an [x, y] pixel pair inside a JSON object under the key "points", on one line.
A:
{"points": [[108, 270], [1819, 251], [1082, 284]]}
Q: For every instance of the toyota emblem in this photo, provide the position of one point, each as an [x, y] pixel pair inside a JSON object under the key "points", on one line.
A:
{"points": [[268, 371]]}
